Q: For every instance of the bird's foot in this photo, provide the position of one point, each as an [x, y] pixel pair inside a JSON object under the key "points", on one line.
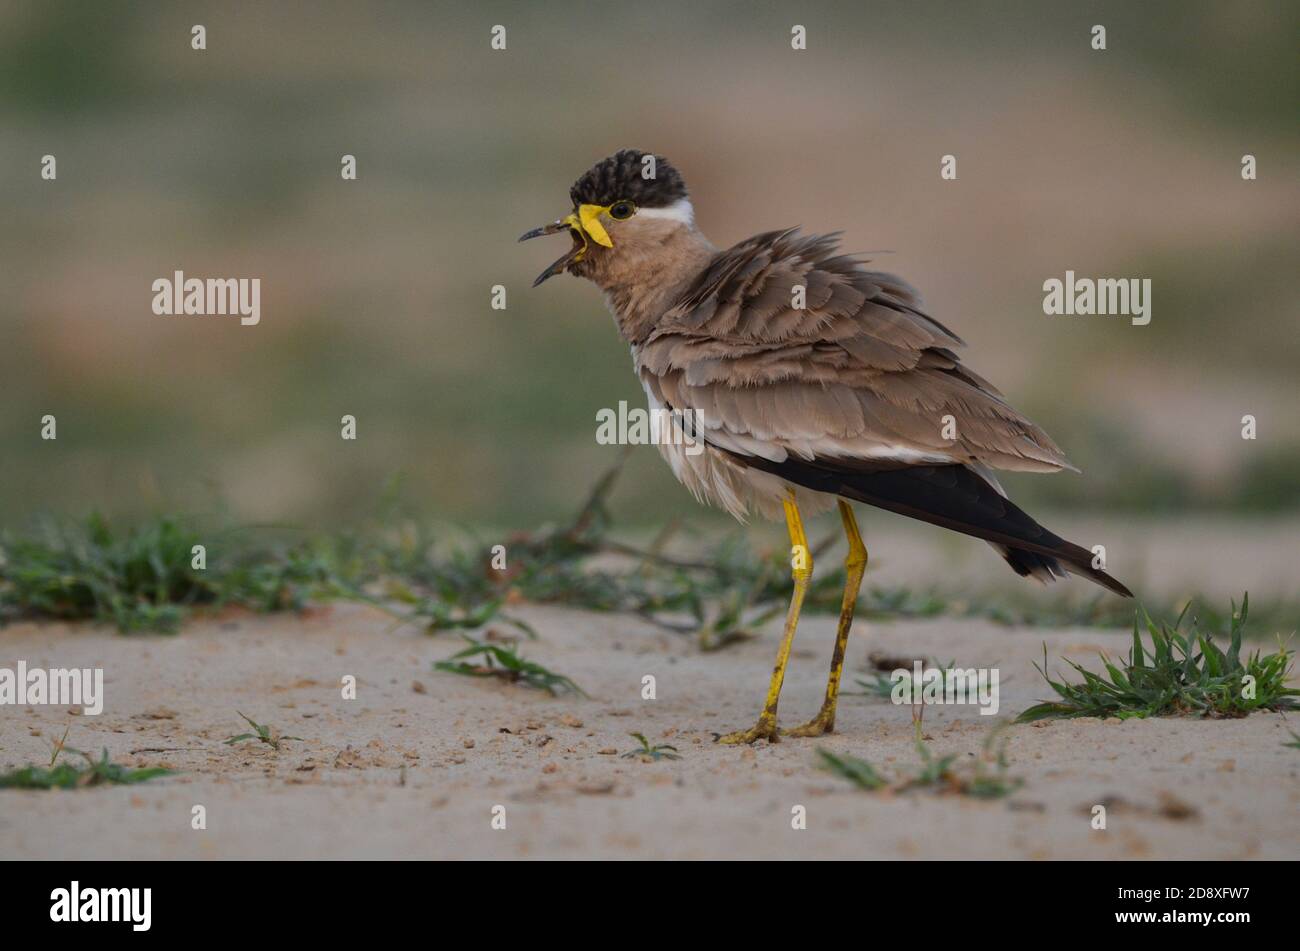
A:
{"points": [[819, 725], [764, 729]]}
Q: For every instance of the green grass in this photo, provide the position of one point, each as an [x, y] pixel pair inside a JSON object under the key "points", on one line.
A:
{"points": [[141, 579], [1182, 673], [985, 777], [650, 753], [503, 662], [857, 771], [101, 772], [264, 734], [137, 580]]}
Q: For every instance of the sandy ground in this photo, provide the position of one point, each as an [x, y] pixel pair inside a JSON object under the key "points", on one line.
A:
{"points": [[415, 765]]}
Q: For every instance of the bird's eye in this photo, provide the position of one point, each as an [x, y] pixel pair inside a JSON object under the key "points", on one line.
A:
{"points": [[622, 210]]}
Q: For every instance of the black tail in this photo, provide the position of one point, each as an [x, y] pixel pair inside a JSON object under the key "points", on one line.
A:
{"points": [[954, 497]]}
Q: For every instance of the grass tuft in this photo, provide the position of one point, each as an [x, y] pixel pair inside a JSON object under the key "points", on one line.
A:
{"points": [[264, 734], [649, 753], [985, 778], [143, 579], [1183, 673], [857, 771], [138, 579], [66, 775], [504, 663]]}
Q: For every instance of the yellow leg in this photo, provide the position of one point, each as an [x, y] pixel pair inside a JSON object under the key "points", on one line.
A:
{"points": [[801, 569], [854, 567]]}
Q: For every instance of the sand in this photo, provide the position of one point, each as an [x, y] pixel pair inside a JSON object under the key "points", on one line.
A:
{"points": [[414, 767]]}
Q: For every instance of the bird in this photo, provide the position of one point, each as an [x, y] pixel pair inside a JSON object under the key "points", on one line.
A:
{"points": [[812, 381]]}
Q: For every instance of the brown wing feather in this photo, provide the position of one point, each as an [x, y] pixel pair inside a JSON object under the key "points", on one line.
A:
{"points": [[867, 367]]}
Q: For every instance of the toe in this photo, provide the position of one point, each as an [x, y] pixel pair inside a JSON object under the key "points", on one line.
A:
{"points": [[761, 731], [815, 727]]}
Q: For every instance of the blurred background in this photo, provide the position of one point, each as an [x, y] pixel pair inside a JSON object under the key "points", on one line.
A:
{"points": [[376, 292]]}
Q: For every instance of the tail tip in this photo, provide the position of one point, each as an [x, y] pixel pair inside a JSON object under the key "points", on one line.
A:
{"points": [[1046, 569]]}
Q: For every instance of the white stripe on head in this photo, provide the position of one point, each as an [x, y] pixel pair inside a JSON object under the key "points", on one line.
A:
{"points": [[680, 210]]}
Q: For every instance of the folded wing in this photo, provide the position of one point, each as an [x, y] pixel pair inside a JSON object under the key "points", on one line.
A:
{"points": [[799, 361]]}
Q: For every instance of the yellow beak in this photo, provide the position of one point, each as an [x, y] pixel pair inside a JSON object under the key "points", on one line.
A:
{"points": [[589, 216], [584, 224]]}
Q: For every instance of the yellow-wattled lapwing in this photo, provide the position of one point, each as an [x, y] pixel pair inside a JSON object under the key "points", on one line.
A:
{"points": [[812, 382]]}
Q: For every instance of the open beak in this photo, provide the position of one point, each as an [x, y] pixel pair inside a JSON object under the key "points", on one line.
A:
{"points": [[573, 255], [585, 227]]}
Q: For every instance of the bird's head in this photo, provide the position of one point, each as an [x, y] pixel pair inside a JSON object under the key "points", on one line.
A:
{"points": [[626, 209]]}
